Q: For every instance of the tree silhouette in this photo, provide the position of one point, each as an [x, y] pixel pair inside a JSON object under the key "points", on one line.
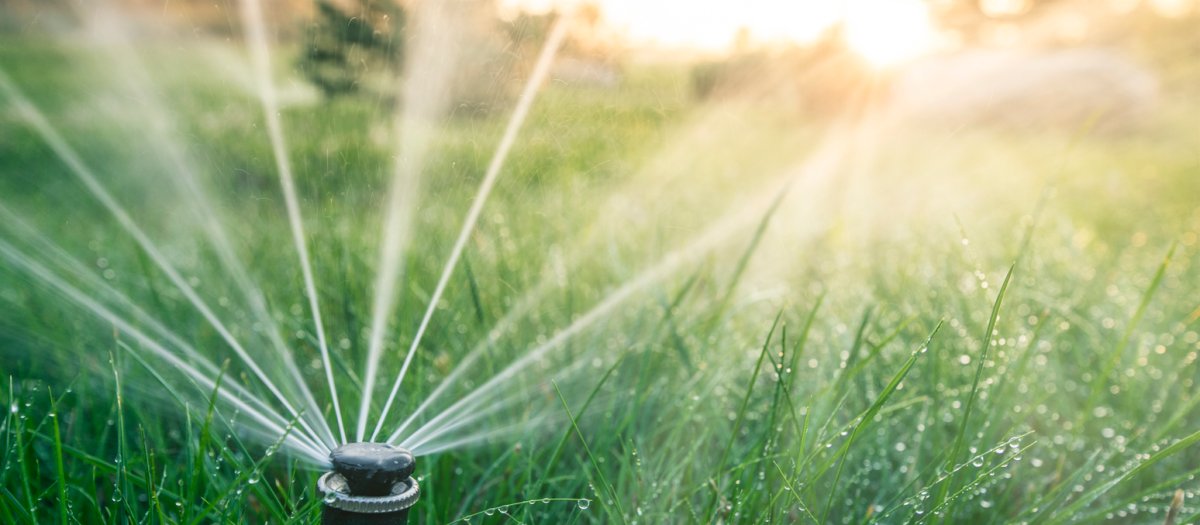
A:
{"points": [[344, 46]]}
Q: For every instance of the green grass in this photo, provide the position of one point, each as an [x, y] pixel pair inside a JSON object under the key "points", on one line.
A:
{"points": [[854, 353]]}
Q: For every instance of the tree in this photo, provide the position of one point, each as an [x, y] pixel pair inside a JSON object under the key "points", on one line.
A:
{"points": [[345, 48]]}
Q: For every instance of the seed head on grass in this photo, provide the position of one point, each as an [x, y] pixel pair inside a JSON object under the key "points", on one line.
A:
{"points": [[1173, 510]]}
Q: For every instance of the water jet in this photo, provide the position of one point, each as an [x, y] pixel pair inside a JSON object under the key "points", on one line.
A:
{"points": [[370, 484]]}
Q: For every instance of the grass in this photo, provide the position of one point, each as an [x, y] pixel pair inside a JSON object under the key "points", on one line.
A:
{"points": [[771, 379]]}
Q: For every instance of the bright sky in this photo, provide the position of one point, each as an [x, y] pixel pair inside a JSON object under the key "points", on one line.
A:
{"points": [[883, 31]]}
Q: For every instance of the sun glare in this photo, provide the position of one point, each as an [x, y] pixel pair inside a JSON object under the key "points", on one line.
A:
{"points": [[888, 32]]}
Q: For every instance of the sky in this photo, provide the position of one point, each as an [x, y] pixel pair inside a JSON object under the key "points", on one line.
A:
{"points": [[881, 30], [884, 32]]}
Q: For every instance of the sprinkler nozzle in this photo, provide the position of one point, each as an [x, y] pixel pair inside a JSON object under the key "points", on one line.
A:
{"points": [[371, 483]]}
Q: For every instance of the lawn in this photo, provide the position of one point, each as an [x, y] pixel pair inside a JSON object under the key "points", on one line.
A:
{"points": [[738, 314]]}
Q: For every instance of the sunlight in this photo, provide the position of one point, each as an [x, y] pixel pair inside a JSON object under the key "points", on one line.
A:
{"points": [[1173, 8], [888, 32]]}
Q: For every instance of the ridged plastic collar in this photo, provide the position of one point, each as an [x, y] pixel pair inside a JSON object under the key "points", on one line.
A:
{"points": [[333, 486]]}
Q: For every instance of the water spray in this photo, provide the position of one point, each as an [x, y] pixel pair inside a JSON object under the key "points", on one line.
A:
{"points": [[370, 484]]}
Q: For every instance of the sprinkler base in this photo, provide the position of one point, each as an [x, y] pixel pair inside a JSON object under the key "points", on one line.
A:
{"points": [[371, 484], [332, 516]]}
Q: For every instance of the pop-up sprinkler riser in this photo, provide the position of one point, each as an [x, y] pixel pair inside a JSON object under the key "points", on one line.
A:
{"points": [[370, 484]]}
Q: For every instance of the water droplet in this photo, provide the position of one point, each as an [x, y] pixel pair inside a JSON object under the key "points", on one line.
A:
{"points": [[977, 462], [546, 500], [489, 512], [330, 497], [584, 503]]}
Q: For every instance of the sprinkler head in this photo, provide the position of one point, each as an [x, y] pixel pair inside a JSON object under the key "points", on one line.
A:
{"points": [[372, 469], [371, 483]]}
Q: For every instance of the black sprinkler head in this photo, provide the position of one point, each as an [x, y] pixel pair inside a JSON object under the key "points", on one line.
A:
{"points": [[372, 469], [371, 483]]}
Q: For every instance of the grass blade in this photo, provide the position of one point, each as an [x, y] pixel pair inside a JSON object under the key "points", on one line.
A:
{"points": [[960, 438], [612, 491], [869, 415]]}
